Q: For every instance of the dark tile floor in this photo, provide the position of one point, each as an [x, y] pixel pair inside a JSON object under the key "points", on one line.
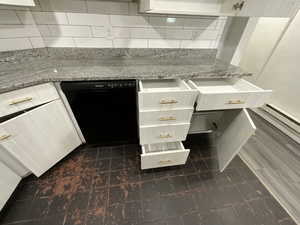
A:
{"points": [[104, 185]]}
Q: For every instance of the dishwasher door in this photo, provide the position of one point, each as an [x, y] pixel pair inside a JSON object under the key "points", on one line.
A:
{"points": [[106, 111]]}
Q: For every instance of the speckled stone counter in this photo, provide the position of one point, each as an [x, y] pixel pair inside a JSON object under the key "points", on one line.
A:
{"points": [[30, 67]]}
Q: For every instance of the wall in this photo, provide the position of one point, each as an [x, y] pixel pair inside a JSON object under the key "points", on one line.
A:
{"points": [[94, 23], [281, 72], [266, 34]]}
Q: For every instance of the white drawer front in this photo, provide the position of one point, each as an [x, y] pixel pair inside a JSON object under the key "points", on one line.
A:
{"points": [[165, 157], [228, 94], [165, 95], [166, 100], [165, 117], [163, 133], [25, 98]]}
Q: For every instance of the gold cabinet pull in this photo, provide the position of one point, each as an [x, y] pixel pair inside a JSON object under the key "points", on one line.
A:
{"points": [[165, 136], [232, 102], [3, 137], [167, 118], [163, 162], [27, 99], [164, 102]]}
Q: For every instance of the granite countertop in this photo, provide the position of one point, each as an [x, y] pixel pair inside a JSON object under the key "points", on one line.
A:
{"points": [[26, 68]]}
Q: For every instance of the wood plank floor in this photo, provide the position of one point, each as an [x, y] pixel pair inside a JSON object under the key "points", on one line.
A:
{"points": [[275, 159]]}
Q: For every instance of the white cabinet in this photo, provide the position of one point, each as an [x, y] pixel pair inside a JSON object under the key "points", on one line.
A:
{"points": [[230, 120], [14, 101], [40, 137], [234, 128], [163, 154], [8, 183], [165, 95], [252, 8], [165, 111], [18, 2], [163, 133], [231, 93], [267, 8]]}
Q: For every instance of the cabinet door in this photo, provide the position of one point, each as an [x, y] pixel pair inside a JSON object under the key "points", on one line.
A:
{"points": [[18, 2], [8, 183], [40, 137], [268, 8], [234, 129]]}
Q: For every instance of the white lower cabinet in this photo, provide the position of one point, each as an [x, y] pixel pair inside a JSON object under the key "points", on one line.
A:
{"points": [[8, 183], [166, 117], [165, 111], [40, 137], [229, 93], [163, 154], [163, 117], [163, 133], [233, 130]]}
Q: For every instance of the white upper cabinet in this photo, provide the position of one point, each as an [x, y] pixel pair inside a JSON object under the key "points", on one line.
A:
{"points": [[18, 2], [252, 8], [41, 137]]}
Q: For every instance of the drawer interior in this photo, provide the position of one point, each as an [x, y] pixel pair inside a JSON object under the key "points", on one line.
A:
{"points": [[163, 147], [163, 85], [229, 85], [202, 122]]}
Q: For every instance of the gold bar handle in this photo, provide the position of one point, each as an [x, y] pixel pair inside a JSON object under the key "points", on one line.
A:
{"points": [[165, 136], [164, 102], [163, 162], [3, 137], [27, 99], [167, 118], [232, 102]]}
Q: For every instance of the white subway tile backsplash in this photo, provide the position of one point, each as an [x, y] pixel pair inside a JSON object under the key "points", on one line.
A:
{"points": [[161, 21], [100, 31], [97, 23], [59, 42], [163, 43], [14, 31], [78, 6], [69, 31], [37, 42], [44, 30], [196, 44], [88, 19], [25, 17], [179, 34], [93, 43], [138, 33], [130, 43], [9, 17], [129, 21], [200, 23], [14, 44], [205, 34], [50, 18], [106, 7]]}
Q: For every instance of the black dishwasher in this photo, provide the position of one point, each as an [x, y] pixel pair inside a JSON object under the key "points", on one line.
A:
{"points": [[106, 111]]}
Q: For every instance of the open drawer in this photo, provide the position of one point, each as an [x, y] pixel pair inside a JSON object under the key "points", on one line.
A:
{"points": [[165, 94], [163, 154], [228, 93]]}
